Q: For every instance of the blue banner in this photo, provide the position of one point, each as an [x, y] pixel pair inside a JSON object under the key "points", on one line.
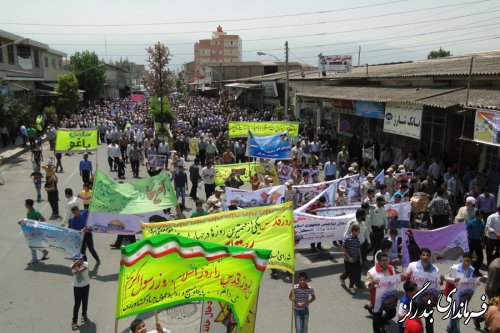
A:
{"points": [[40, 235], [272, 147], [370, 109]]}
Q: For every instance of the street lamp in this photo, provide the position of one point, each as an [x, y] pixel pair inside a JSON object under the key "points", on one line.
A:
{"points": [[267, 54]]}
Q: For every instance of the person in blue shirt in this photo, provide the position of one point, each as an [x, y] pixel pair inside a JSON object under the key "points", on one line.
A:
{"points": [[85, 169], [410, 289], [475, 232], [79, 222]]}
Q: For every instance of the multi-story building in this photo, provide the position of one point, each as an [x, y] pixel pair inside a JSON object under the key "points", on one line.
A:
{"points": [[28, 69], [118, 82], [220, 48]]}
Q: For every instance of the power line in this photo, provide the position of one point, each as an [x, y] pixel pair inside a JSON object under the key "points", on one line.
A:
{"points": [[298, 24], [211, 21]]}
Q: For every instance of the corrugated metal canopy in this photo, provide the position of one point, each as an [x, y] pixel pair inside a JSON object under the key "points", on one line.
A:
{"points": [[382, 94]]}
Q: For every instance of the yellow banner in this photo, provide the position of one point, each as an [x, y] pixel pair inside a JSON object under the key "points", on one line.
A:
{"points": [[269, 227], [239, 129], [76, 139], [246, 170], [193, 146]]}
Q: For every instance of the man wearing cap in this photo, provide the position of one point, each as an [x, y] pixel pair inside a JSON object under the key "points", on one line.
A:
{"points": [[492, 231], [330, 169], [341, 199], [367, 184], [85, 168], [467, 212], [377, 222], [215, 199]]}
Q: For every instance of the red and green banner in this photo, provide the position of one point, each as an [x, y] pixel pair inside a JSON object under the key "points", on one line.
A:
{"points": [[165, 270]]}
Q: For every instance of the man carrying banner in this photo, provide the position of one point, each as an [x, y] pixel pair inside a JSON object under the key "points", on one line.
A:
{"points": [[382, 268], [79, 222], [138, 326], [423, 265], [463, 270], [34, 214]]}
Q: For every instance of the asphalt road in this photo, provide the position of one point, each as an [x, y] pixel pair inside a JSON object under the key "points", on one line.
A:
{"points": [[39, 298]]}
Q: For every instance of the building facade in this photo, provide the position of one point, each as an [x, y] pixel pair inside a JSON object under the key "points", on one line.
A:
{"points": [[221, 48], [29, 69]]}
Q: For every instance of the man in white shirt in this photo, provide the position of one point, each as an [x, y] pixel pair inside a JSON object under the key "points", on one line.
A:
{"points": [[113, 153], [330, 169], [72, 201], [492, 231]]}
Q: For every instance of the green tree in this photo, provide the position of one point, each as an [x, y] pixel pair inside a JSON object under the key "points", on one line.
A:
{"points": [[67, 86], [438, 54], [90, 73], [13, 112]]}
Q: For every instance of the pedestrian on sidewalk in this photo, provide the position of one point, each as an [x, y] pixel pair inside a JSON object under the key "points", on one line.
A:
{"points": [[301, 296], [33, 214], [79, 222], [81, 288]]}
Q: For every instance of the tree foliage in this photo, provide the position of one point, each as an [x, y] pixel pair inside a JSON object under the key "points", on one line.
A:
{"points": [[438, 54], [67, 86], [13, 113], [158, 116], [158, 75], [90, 73]]}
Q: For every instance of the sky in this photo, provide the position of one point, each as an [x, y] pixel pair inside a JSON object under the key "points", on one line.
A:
{"points": [[385, 30]]}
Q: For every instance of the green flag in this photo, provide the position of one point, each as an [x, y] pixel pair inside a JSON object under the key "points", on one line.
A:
{"points": [[165, 270], [140, 196]]}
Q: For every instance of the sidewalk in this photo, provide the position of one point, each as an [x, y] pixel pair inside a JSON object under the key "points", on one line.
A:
{"points": [[12, 151]]}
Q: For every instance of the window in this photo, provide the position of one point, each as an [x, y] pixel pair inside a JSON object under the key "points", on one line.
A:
{"points": [[36, 55], [24, 52], [53, 63], [1, 53], [231, 42], [46, 62], [10, 54]]}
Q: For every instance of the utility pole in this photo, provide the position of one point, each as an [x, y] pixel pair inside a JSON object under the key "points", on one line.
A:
{"points": [[359, 55], [161, 87], [286, 82]]}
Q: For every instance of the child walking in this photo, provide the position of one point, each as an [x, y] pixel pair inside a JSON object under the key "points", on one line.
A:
{"points": [[81, 288], [352, 259], [302, 295]]}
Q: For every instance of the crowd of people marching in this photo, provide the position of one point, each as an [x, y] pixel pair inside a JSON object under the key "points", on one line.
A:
{"points": [[319, 154]]}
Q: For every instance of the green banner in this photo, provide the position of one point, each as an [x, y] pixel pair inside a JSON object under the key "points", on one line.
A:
{"points": [[141, 196], [269, 227], [165, 270], [76, 139], [239, 129]]}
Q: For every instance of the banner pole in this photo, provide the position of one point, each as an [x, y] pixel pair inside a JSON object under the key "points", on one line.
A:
{"points": [[157, 321], [291, 313], [116, 325]]}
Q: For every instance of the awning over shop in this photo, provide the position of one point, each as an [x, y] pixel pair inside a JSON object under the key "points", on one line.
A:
{"points": [[421, 96], [243, 85]]}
